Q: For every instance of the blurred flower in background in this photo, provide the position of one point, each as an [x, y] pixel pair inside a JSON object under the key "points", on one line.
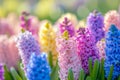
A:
{"points": [[52, 9]]}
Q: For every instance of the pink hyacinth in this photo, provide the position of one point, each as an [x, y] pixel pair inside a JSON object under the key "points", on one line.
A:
{"points": [[5, 28], [86, 47], [67, 57], [112, 17], [8, 51], [101, 47]]}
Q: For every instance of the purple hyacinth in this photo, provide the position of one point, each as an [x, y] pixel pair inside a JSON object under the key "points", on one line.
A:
{"points": [[1, 72], [26, 45], [95, 23], [67, 25], [86, 47]]}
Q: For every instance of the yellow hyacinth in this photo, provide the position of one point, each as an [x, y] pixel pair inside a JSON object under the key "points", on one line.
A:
{"points": [[47, 37]]}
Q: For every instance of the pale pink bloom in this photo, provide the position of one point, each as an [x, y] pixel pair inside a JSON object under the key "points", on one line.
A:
{"points": [[112, 17], [67, 58], [101, 47], [8, 51], [5, 28]]}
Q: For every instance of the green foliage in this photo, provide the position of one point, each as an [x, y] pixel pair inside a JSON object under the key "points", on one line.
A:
{"points": [[70, 75], [110, 74], [96, 72], [50, 59], [90, 66], [82, 75], [54, 73], [21, 71], [7, 74], [15, 75]]}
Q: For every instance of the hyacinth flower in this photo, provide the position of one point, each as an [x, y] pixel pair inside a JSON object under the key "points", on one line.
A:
{"points": [[101, 47], [95, 23], [8, 51], [71, 17], [112, 50], [27, 22], [47, 37], [112, 17], [38, 68], [1, 72], [5, 28], [67, 25], [26, 44], [86, 47], [67, 57]]}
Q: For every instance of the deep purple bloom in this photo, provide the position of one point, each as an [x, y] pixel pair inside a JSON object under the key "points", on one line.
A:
{"points": [[95, 23], [86, 47]]}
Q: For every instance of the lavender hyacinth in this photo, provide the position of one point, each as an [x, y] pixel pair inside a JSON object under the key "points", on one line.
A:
{"points": [[26, 44], [67, 25], [95, 23], [1, 72]]}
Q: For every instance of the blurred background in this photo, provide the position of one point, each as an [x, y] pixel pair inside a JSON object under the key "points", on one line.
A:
{"points": [[53, 9]]}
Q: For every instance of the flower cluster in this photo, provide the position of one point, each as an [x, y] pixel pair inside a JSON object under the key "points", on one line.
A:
{"points": [[47, 37], [86, 47], [8, 51], [95, 23], [67, 25], [112, 50], [101, 48], [26, 44], [5, 28], [68, 58], [1, 72], [25, 21], [71, 17], [112, 17], [38, 68]]}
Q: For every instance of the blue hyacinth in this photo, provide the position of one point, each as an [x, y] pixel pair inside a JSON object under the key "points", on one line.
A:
{"points": [[27, 44], [113, 51], [38, 68]]}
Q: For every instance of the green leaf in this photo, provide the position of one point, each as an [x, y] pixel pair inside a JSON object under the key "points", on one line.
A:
{"points": [[70, 75], [7, 74], [95, 70], [54, 74], [90, 66], [50, 59], [21, 71], [119, 77], [82, 75], [110, 74], [101, 70], [15, 74], [88, 78]]}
